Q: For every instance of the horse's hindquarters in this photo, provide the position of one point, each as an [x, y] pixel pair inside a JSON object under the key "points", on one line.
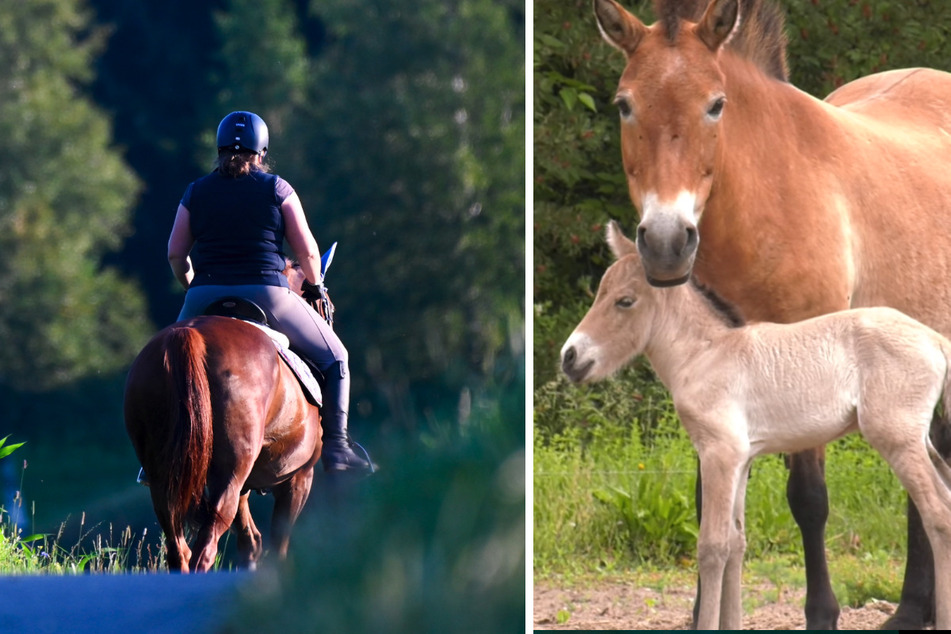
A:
{"points": [[214, 378]]}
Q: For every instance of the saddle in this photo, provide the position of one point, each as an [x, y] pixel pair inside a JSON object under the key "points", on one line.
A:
{"points": [[248, 311]]}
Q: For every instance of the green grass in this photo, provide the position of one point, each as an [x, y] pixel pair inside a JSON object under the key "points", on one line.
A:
{"points": [[612, 499], [87, 548], [435, 541], [51, 554]]}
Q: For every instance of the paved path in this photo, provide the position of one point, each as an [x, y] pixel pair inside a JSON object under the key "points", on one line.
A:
{"points": [[118, 604]]}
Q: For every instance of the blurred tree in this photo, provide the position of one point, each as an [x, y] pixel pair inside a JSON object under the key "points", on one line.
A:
{"points": [[154, 76], [65, 194], [264, 66], [402, 129]]}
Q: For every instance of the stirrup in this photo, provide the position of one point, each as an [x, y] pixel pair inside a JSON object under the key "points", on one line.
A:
{"points": [[345, 466], [366, 454]]}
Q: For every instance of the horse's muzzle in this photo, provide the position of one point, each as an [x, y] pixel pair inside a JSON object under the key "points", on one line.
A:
{"points": [[667, 252], [570, 365]]}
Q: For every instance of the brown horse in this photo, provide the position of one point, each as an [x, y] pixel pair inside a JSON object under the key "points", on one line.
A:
{"points": [[787, 206], [213, 412]]}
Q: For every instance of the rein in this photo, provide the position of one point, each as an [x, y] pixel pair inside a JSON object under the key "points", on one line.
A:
{"points": [[319, 299]]}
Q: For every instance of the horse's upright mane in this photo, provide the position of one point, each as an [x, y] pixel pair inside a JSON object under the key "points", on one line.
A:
{"points": [[724, 309], [671, 12], [760, 36]]}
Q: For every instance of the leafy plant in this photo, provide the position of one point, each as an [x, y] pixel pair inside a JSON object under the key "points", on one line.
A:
{"points": [[661, 524], [8, 449]]}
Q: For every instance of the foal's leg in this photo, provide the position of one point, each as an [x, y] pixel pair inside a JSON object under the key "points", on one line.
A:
{"points": [[917, 605], [721, 469], [250, 544], [736, 603], [731, 603], [698, 502], [931, 495], [289, 499], [809, 503]]}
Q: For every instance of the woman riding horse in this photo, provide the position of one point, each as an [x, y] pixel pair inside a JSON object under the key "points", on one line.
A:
{"points": [[227, 240]]}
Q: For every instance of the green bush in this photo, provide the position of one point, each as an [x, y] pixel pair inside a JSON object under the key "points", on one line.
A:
{"points": [[635, 398]]}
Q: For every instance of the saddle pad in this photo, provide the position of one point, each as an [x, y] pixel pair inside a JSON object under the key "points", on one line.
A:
{"points": [[297, 365]]}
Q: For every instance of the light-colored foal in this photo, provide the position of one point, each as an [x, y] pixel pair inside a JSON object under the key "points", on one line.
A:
{"points": [[746, 390]]}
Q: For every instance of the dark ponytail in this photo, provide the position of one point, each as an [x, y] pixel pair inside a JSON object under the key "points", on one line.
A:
{"points": [[235, 164]]}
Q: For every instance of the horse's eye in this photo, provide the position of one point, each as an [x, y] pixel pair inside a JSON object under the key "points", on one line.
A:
{"points": [[716, 108], [625, 302], [624, 107]]}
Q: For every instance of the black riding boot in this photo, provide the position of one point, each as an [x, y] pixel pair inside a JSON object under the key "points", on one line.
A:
{"points": [[338, 453]]}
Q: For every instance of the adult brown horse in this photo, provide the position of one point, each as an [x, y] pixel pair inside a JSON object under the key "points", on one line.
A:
{"points": [[785, 205], [214, 412]]}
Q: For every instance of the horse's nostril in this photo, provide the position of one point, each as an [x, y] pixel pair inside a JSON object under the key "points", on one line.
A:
{"points": [[692, 237], [568, 359], [688, 244]]}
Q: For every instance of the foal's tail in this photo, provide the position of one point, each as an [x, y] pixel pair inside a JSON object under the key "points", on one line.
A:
{"points": [[939, 463], [942, 418], [188, 449]]}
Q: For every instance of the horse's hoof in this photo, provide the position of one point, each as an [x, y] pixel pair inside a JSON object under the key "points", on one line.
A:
{"points": [[904, 620], [823, 619]]}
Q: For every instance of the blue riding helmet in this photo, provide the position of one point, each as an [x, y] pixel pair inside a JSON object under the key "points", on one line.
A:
{"points": [[243, 130]]}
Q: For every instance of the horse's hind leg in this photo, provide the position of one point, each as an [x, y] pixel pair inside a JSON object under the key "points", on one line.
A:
{"points": [[809, 502], [177, 552], [289, 499], [250, 543], [216, 518]]}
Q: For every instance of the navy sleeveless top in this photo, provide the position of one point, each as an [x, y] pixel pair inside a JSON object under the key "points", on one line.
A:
{"points": [[238, 228]]}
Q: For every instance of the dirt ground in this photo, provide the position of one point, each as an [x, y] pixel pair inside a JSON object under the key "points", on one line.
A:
{"points": [[612, 605]]}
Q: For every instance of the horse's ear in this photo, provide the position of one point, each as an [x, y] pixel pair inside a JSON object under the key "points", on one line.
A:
{"points": [[718, 22], [619, 28], [620, 244]]}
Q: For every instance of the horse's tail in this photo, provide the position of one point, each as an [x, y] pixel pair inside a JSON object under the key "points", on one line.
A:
{"points": [[188, 449]]}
